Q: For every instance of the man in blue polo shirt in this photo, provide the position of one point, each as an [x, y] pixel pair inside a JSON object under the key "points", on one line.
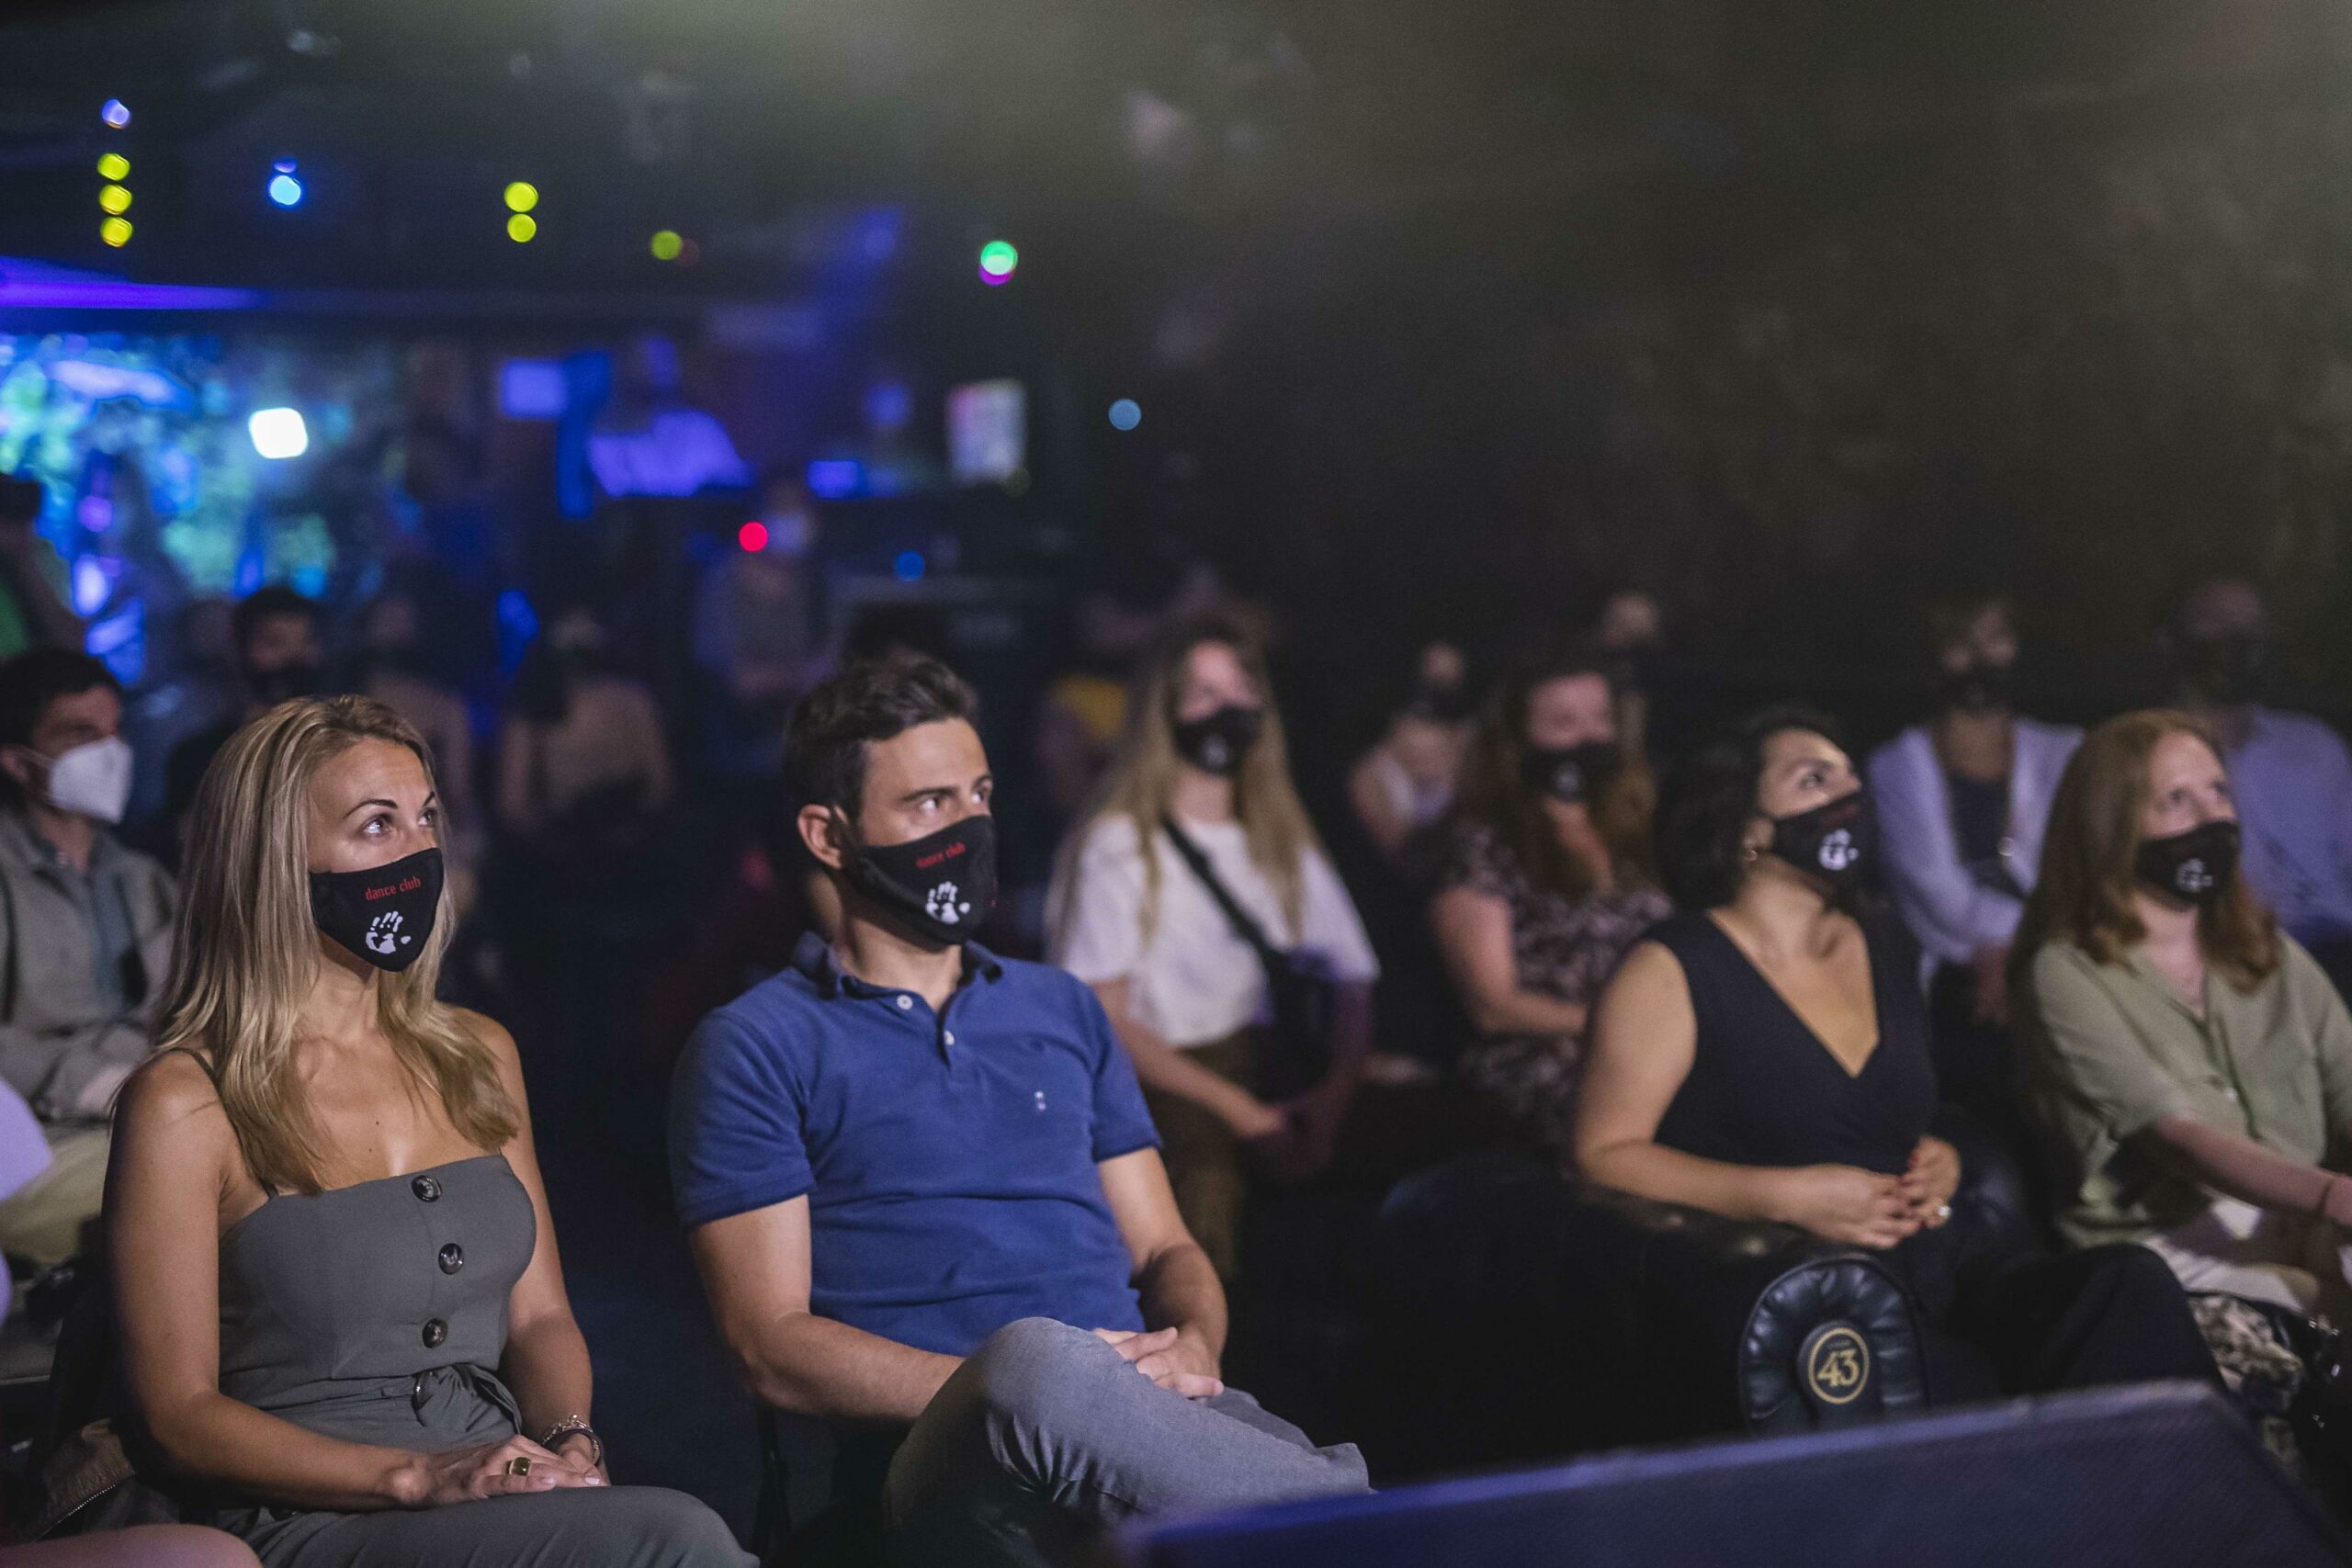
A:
{"points": [[923, 1190]]}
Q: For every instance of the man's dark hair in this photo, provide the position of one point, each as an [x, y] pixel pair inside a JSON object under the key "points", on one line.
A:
{"points": [[20, 499], [1703, 810], [873, 699], [30, 682], [268, 604]]}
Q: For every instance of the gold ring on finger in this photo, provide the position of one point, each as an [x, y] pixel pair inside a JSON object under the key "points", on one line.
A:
{"points": [[519, 1465]]}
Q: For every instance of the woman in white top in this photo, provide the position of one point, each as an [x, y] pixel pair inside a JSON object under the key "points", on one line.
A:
{"points": [[1961, 802], [1203, 750]]}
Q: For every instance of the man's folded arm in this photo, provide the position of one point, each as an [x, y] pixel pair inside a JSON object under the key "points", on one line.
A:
{"points": [[755, 1270]]}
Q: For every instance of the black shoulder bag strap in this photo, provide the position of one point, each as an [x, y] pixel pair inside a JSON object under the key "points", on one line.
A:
{"points": [[1302, 1003], [1275, 959]]}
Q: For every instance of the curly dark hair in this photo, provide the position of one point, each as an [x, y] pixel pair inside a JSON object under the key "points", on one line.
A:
{"points": [[872, 699], [1495, 792], [1705, 810]]}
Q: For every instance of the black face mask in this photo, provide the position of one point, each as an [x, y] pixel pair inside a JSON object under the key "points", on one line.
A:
{"points": [[1835, 842], [1440, 702], [271, 687], [2194, 867], [2227, 670], [942, 884], [1571, 773], [1977, 688], [1217, 742], [383, 914]]}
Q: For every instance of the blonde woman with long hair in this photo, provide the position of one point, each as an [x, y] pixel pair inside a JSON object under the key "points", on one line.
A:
{"points": [[1202, 768], [342, 1314]]}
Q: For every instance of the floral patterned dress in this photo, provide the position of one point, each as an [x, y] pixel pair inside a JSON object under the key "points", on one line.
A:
{"points": [[1564, 947]]}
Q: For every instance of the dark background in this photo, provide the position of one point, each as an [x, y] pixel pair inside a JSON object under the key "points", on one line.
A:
{"points": [[1443, 317]]}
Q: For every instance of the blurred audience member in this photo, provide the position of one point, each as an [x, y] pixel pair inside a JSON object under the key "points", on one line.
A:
{"points": [[389, 663], [1405, 783], [584, 773], [588, 869], [87, 934], [1547, 885], [201, 692], [1631, 634], [2192, 1062], [1196, 831], [33, 610], [2291, 775], [1961, 799], [1764, 1056], [758, 640], [1084, 709], [279, 654], [898, 631]]}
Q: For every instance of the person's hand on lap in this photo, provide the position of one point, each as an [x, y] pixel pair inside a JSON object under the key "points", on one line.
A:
{"points": [[579, 1453], [1933, 1177], [1177, 1361], [1844, 1204]]}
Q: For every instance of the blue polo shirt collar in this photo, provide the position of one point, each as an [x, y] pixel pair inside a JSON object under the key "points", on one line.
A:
{"points": [[814, 958]]}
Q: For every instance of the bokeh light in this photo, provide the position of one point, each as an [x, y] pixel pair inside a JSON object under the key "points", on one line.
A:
{"points": [[278, 432], [667, 244], [1126, 415], [753, 536], [114, 166], [116, 232], [909, 566], [998, 258], [115, 199], [115, 113], [285, 190], [522, 196], [521, 228]]}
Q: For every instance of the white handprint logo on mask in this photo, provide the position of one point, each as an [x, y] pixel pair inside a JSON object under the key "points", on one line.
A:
{"points": [[1838, 851], [942, 905], [384, 933]]}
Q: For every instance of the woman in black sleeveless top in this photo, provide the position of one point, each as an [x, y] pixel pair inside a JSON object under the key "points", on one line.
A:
{"points": [[1764, 1056]]}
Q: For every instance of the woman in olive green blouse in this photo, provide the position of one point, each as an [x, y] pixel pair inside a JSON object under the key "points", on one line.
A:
{"points": [[2192, 1063]]}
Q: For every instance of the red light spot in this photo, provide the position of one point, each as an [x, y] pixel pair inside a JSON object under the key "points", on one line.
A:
{"points": [[753, 536]]}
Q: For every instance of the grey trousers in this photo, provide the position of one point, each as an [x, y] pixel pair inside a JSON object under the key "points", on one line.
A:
{"points": [[605, 1527], [1047, 1436]]}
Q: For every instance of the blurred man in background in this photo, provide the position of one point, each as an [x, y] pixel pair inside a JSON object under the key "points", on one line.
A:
{"points": [[2291, 773], [86, 933]]}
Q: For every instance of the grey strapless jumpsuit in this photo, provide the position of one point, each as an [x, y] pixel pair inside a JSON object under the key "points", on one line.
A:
{"points": [[377, 1313]]}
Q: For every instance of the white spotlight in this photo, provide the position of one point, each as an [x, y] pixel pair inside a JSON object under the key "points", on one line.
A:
{"points": [[278, 432]]}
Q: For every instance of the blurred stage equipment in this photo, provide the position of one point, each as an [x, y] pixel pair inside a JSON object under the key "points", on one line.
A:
{"points": [[2156, 1476]]}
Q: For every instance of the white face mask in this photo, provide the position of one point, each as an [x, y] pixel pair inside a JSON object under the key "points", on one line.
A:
{"points": [[93, 780]]}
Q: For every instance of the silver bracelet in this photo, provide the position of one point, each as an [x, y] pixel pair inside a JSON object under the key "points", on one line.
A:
{"points": [[575, 1425]]}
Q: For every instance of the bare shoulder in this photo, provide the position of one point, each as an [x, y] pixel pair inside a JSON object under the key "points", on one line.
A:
{"points": [[491, 1035], [1650, 969], [171, 1096]]}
